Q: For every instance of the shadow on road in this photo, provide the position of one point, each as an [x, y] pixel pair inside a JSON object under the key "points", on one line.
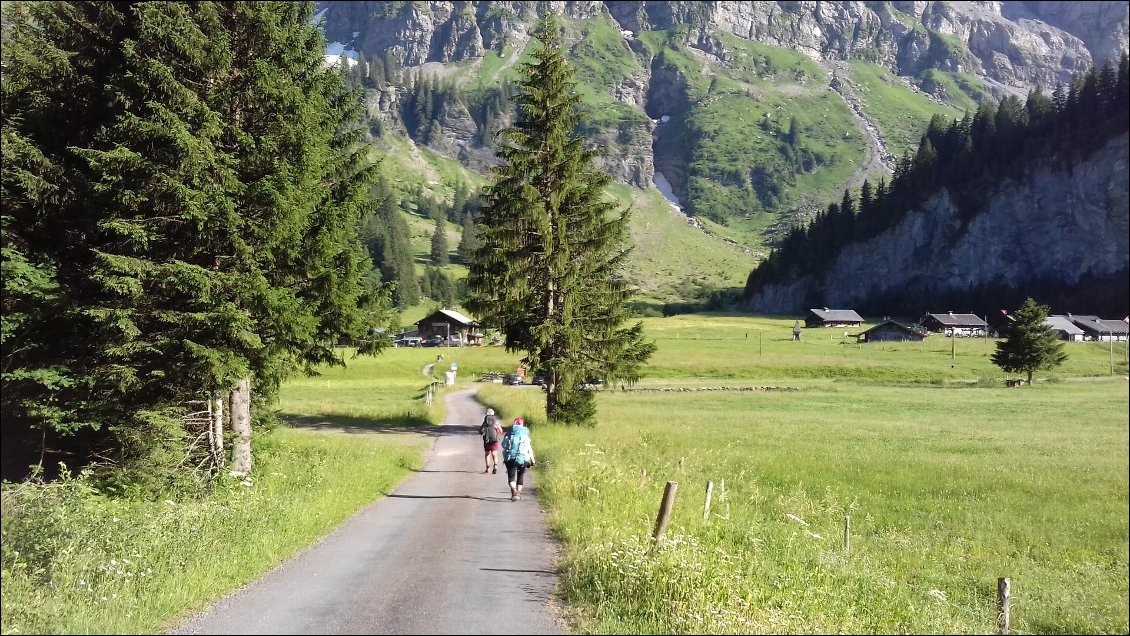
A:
{"points": [[362, 425], [392, 496], [550, 572]]}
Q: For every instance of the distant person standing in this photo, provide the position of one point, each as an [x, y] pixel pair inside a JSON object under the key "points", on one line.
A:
{"points": [[518, 455], [796, 330], [491, 432]]}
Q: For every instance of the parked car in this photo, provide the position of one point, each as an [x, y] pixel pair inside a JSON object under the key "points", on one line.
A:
{"points": [[539, 378], [433, 341], [409, 341], [512, 379]]}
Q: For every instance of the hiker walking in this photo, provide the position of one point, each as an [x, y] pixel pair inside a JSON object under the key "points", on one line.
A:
{"points": [[491, 432], [518, 455], [796, 330]]}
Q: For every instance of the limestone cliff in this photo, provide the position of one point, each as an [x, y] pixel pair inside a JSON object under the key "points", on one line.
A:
{"points": [[1012, 46], [1017, 44], [1061, 222]]}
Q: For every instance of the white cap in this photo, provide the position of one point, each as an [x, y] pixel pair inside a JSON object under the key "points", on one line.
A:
{"points": [[490, 411]]}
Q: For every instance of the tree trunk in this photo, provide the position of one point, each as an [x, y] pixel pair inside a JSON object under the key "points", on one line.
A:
{"points": [[216, 431], [240, 408], [551, 395], [1029, 377]]}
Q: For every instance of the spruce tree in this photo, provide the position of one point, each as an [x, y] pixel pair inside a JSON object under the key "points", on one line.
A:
{"points": [[440, 257], [1031, 345], [392, 251], [548, 272], [469, 240], [199, 213]]}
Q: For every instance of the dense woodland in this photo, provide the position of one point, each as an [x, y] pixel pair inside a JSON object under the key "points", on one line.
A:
{"points": [[969, 158], [182, 187]]}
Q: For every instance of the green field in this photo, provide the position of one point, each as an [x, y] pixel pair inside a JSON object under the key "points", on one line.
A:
{"points": [[950, 480]]}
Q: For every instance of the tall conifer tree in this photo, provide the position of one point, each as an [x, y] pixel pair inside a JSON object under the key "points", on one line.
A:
{"points": [[200, 196], [1031, 345], [440, 257], [548, 271]]}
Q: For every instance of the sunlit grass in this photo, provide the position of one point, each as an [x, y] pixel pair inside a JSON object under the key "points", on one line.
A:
{"points": [[949, 485], [948, 489], [78, 563]]}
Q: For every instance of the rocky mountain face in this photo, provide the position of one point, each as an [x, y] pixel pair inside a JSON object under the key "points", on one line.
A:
{"points": [[677, 91], [1059, 223], [1012, 46], [1016, 44]]}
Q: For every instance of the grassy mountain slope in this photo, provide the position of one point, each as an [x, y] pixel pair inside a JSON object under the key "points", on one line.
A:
{"points": [[756, 139]]}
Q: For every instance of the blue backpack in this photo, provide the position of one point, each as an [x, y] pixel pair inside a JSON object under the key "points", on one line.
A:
{"points": [[516, 447]]}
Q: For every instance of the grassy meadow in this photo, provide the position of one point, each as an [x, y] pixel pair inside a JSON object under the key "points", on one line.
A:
{"points": [[950, 481]]}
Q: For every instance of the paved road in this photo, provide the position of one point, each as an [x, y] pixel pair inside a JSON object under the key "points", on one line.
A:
{"points": [[447, 552]]}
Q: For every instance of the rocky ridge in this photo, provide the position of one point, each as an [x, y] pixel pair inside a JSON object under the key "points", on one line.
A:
{"points": [[1012, 46], [1059, 222]]}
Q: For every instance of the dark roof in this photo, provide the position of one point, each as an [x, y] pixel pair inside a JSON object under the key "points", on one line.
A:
{"points": [[911, 329], [450, 314], [837, 315], [1094, 324], [959, 320]]}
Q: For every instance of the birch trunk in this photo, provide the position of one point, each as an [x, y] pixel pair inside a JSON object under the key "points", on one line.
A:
{"points": [[240, 408], [216, 432]]}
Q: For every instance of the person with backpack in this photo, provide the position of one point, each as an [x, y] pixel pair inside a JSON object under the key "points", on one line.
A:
{"points": [[518, 455], [491, 431]]}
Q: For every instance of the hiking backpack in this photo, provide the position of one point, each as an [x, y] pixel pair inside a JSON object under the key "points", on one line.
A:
{"points": [[516, 448], [489, 429]]}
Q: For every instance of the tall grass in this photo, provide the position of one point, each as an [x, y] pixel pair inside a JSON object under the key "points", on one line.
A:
{"points": [[949, 484], [75, 562]]}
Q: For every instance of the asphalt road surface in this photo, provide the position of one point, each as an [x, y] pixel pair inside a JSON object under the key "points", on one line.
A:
{"points": [[446, 552]]}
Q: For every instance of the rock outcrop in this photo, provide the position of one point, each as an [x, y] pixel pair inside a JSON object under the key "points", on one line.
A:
{"points": [[1014, 46], [1059, 223]]}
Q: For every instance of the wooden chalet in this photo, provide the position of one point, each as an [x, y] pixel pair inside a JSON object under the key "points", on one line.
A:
{"points": [[893, 331], [955, 325], [1095, 328], [832, 318], [452, 326], [1000, 324]]}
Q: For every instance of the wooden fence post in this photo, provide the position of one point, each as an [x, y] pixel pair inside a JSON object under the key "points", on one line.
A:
{"points": [[847, 534], [665, 510], [1004, 595], [709, 494]]}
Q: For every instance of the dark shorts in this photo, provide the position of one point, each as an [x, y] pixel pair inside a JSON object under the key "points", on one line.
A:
{"points": [[515, 472], [491, 446]]}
